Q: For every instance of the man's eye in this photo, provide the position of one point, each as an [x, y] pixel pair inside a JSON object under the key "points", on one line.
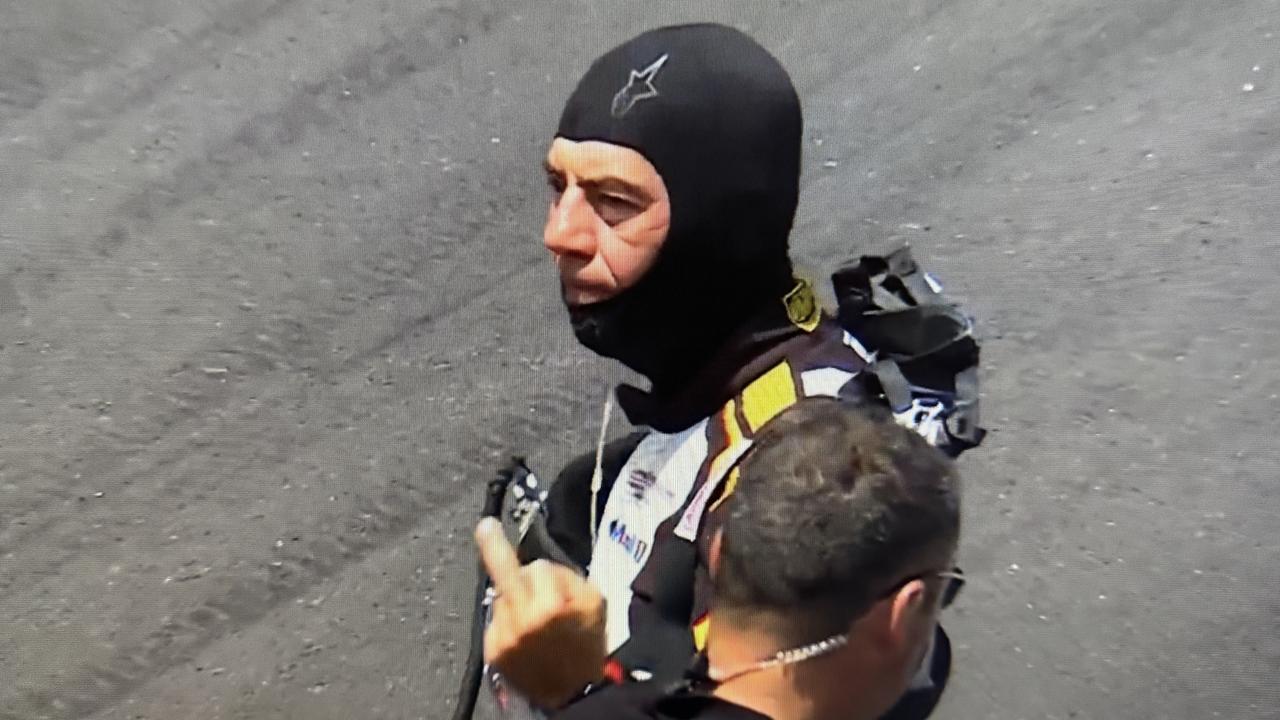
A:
{"points": [[614, 209]]}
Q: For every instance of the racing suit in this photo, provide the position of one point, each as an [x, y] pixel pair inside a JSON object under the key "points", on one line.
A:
{"points": [[662, 487], [718, 325]]}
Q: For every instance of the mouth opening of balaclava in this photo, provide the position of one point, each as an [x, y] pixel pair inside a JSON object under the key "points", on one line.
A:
{"points": [[719, 119]]}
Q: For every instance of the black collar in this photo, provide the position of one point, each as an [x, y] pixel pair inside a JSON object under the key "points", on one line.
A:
{"points": [[691, 697], [759, 345]]}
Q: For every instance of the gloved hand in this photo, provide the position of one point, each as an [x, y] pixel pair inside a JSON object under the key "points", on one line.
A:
{"points": [[547, 636]]}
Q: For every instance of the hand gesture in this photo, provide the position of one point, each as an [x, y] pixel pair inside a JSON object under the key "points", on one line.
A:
{"points": [[547, 637]]}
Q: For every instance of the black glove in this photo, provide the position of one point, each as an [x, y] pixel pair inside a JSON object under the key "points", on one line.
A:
{"points": [[529, 495]]}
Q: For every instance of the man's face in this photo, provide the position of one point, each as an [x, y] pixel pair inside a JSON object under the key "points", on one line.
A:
{"points": [[608, 218]]}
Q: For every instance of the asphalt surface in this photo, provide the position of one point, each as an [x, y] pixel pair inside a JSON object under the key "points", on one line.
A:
{"points": [[273, 306]]}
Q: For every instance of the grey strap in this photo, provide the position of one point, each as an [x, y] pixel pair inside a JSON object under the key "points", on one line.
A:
{"points": [[963, 423], [897, 391]]}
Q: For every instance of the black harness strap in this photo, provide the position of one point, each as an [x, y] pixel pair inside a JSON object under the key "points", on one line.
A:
{"points": [[923, 344]]}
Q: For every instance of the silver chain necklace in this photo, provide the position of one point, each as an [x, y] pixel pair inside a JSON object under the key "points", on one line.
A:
{"points": [[785, 657]]}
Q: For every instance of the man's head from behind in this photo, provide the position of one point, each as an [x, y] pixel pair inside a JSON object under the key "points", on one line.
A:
{"points": [[840, 524]]}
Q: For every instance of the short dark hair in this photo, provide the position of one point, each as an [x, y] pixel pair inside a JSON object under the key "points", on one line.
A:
{"points": [[835, 503]]}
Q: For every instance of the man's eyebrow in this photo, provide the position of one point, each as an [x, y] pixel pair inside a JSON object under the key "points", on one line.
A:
{"points": [[604, 183], [619, 185]]}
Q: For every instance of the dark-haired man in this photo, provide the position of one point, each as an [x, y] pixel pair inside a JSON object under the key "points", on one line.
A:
{"points": [[830, 569]]}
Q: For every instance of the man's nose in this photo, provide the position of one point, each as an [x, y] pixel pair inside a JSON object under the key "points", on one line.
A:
{"points": [[570, 228]]}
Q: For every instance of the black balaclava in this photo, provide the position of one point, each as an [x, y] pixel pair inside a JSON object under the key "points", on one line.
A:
{"points": [[719, 119]]}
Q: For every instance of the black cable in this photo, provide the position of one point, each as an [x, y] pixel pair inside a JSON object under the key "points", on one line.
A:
{"points": [[473, 671], [469, 690]]}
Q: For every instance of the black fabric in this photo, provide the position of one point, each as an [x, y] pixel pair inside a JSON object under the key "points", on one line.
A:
{"points": [[753, 347], [690, 697], [721, 122], [673, 589], [661, 640], [923, 342], [569, 498], [655, 701]]}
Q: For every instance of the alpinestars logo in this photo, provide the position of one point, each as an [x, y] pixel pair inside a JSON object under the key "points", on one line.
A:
{"points": [[639, 87]]}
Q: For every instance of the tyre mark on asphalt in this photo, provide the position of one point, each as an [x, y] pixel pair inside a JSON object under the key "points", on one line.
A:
{"points": [[557, 406], [131, 662], [379, 69], [141, 86], [376, 519], [200, 398], [196, 398], [190, 179]]}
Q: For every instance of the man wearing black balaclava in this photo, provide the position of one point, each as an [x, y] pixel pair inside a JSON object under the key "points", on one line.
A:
{"points": [[724, 133], [675, 173]]}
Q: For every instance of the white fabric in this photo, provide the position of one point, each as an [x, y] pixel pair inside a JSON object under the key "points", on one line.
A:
{"points": [[630, 523], [824, 381]]}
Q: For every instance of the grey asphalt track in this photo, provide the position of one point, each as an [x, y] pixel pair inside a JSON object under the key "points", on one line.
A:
{"points": [[273, 306]]}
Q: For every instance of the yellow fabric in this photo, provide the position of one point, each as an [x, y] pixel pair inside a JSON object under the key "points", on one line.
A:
{"points": [[762, 400], [729, 484], [700, 633], [802, 306], [768, 395], [733, 436]]}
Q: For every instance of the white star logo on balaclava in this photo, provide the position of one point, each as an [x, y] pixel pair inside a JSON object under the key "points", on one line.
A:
{"points": [[639, 87]]}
